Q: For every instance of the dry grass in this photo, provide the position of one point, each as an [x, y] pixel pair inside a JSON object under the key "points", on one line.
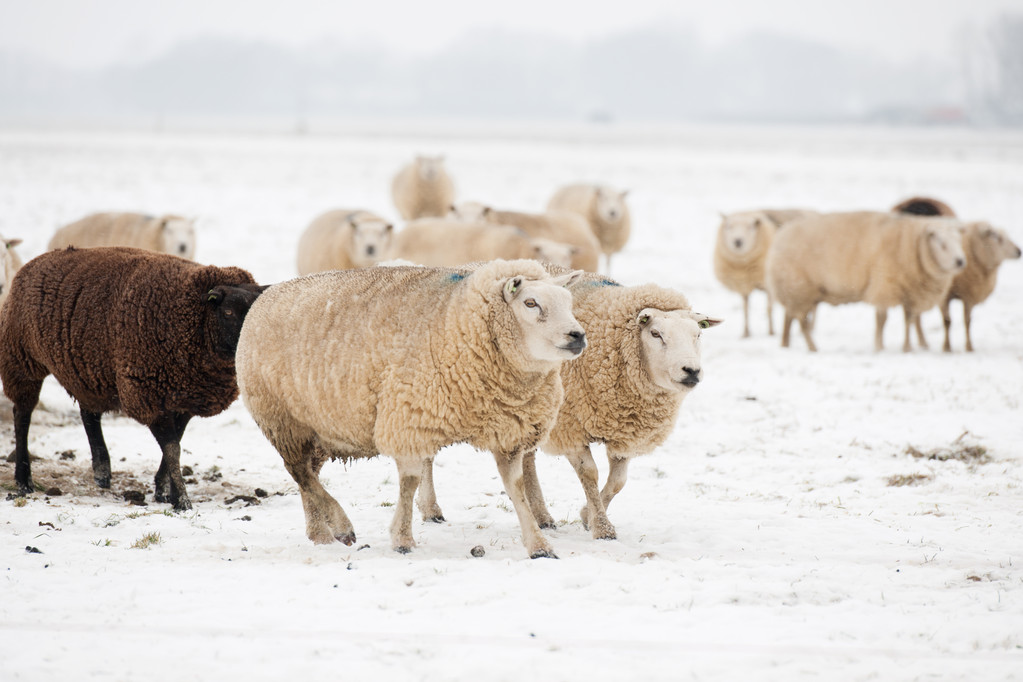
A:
{"points": [[147, 540], [908, 479], [971, 455]]}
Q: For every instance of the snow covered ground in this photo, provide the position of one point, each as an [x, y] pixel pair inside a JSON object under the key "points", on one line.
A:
{"points": [[783, 532]]}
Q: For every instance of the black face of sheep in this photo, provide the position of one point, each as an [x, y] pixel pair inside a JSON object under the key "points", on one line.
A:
{"points": [[231, 303]]}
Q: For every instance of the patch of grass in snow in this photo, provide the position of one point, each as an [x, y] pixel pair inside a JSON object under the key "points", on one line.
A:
{"points": [[104, 543], [908, 479], [20, 501], [970, 455], [147, 541]]}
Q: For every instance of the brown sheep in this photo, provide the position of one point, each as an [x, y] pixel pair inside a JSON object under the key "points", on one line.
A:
{"points": [[124, 329]]}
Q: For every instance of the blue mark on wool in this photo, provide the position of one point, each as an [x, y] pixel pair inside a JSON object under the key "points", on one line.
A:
{"points": [[604, 283], [456, 277]]}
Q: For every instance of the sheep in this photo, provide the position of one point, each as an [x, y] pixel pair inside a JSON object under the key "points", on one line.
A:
{"points": [[924, 206], [403, 361], [164, 234], [883, 259], [448, 242], [603, 208], [423, 188], [342, 239], [561, 226], [152, 335], [986, 247], [10, 262], [642, 360]]}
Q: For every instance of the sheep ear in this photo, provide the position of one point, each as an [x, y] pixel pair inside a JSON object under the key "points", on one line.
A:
{"points": [[643, 319], [11, 243], [567, 279], [624, 193], [389, 227], [511, 288], [214, 296]]}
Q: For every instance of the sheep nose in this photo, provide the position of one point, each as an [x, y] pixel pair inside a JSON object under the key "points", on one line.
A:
{"points": [[182, 248], [577, 342], [960, 263], [370, 250], [692, 376], [738, 243]]}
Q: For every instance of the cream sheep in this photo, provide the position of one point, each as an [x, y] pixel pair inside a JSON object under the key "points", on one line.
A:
{"points": [[423, 188], [164, 234], [404, 361], [603, 208], [883, 259], [642, 360], [10, 263], [986, 247], [448, 242], [343, 239], [560, 226]]}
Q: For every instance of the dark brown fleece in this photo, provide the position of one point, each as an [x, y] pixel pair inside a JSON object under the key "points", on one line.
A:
{"points": [[120, 328]]}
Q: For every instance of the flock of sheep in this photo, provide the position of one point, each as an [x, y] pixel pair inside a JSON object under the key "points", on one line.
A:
{"points": [[469, 325]]}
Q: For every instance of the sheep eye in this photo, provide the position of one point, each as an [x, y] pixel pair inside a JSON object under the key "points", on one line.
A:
{"points": [[655, 334], [531, 303], [704, 324], [229, 312]]}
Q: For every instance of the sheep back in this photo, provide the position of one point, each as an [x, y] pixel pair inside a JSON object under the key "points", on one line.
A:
{"points": [[608, 395], [440, 242], [114, 229], [561, 226], [121, 328], [397, 360]]}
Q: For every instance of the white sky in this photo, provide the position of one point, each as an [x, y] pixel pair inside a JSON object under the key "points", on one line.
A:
{"points": [[89, 33]]}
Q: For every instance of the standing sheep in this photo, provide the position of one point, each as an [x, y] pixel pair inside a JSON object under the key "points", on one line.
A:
{"points": [[10, 263], [165, 234], [603, 208], [642, 360], [124, 329], [882, 259], [739, 255], [423, 189], [560, 226], [986, 247], [441, 242], [404, 361], [343, 239]]}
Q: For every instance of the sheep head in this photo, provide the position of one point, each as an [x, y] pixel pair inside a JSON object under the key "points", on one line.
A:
{"points": [[178, 236], [741, 233], [543, 311], [229, 304], [370, 239], [670, 346], [610, 205], [943, 240]]}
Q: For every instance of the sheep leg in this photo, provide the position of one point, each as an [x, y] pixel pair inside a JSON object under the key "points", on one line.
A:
{"points": [[170, 485], [786, 329], [510, 468], [920, 338], [881, 316], [806, 326], [617, 474], [325, 520], [594, 515], [426, 500], [22, 465], [967, 309], [770, 314], [907, 314], [98, 446], [534, 494], [410, 471], [946, 318], [745, 316]]}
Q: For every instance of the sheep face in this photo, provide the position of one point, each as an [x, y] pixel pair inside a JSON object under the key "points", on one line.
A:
{"points": [[230, 305], [610, 205], [670, 345], [469, 211], [7, 261], [543, 311], [741, 232], [371, 242], [179, 237], [429, 168], [992, 245], [550, 251], [945, 243]]}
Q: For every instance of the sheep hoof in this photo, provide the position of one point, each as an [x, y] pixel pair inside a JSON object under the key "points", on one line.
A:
{"points": [[543, 554], [547, 525], [346, 538], [102, 481], [437, 518], [182, 504], [25, 489], [402, 549]]}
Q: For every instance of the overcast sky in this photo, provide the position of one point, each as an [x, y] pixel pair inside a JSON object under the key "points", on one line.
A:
{"points": [[92, 33]]}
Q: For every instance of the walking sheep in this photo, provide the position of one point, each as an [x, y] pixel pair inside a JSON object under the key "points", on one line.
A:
{"points": [[404, 361], [164, 234], [986, 247], [642, 360], [423, 189], [444, 242], [123, 329], [603, 208], [10, 262], [344, 239], [883, 259]]}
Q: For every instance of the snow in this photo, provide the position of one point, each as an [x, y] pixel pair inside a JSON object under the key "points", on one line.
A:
{"points": [[761, 542]]}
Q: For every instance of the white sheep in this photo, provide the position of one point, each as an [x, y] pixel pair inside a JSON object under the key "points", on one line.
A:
{"points": [[423, 188], [884, 259], [740, 252], [448, 242], [986, 247], [164, 234], [404, 361], [560, 226], [343, 239], [10, 263], [625, 391], [604, 210]]}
